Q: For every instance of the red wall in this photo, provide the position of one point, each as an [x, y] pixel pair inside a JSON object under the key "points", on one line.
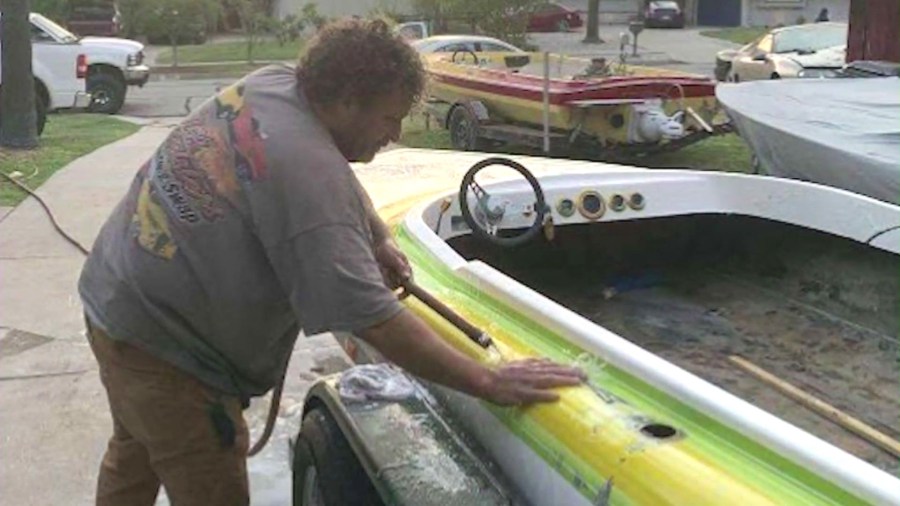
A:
{"points": [[874, 30]]}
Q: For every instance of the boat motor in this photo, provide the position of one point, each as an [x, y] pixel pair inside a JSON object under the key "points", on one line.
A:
{"points": [[650, 123]]}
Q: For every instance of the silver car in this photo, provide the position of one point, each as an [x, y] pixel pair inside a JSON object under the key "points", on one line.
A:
{"points": [[464, 43], [815, 50]]}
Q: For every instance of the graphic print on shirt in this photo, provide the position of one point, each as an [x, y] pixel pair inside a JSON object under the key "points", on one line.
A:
{"points": [[244, 132], [184, 186], [198, 170], [152, 223]]}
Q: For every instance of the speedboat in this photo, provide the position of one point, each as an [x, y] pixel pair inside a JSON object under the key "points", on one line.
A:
{"points": [[669, 288]]}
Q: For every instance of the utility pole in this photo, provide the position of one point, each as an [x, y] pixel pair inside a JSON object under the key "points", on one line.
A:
{"points": [[18, 119]]}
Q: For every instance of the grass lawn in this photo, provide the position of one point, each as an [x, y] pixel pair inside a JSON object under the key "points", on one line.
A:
{"points": [[414, 134], [231, 51], [66, 137], [727, 153], [740, 35]]}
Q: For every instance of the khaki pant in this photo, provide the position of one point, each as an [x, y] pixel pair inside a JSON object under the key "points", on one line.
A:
{"points": [[169, 429]]}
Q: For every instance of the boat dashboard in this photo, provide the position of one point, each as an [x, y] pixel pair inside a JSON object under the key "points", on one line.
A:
{"points": [[511, 205]]}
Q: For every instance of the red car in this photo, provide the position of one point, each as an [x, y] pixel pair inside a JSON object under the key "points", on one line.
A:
{"points": [[552, 17]]}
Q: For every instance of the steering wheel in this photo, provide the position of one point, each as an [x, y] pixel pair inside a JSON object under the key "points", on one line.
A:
{"points": [[464, 52], [486, 219]]}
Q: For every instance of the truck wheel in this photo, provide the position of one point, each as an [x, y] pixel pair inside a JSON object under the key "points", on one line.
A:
{"points": [[107, 93], [464, 130], [326, 472]]}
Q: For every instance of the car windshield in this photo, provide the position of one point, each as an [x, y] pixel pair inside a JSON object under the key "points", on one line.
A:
{"points": [[664, 5], [54, 29], [810, 40]]}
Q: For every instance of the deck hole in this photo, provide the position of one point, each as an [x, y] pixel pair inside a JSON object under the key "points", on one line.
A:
{"points": [[659, 430]]}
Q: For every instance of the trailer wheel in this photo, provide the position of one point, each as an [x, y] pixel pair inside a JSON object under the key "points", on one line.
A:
{"points": [[326, 472], [464, 130]]}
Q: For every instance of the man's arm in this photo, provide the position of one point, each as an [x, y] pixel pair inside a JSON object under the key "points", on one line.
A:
{"points": [[410, 343]]}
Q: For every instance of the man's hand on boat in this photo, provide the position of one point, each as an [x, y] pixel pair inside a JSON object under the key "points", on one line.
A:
{"points": [[410, 343], [528, 381]]}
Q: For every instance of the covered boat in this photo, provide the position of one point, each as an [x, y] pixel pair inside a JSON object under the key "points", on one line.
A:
{"points": [[654, 281], [595, 103], [840, 132]]}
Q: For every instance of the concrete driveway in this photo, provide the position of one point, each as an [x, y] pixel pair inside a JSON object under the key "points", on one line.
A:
{"points": [[680, 49]]}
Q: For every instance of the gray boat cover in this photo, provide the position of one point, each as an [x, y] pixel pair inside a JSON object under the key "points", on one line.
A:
{"points": [[843, 133]]}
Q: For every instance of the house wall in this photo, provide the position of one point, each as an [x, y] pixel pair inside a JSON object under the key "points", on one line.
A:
{"points": [[786, 12]]}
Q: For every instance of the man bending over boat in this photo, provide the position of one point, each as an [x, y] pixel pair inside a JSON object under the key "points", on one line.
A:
{"points": [[245, 227]]}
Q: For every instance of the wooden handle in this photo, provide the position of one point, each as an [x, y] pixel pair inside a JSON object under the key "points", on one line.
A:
{"points": [[821, 407], [473, 332]]}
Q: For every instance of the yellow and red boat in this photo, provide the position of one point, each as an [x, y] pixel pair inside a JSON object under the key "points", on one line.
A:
{"points": [[510, 97]]}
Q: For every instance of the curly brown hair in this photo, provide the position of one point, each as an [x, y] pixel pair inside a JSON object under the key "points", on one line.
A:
{"points": [[361, 59]]}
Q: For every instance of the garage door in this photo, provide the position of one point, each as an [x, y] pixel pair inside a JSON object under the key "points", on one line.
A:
{"points": [[719, 13]]}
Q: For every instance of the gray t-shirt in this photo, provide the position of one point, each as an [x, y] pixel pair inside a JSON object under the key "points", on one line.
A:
{"points": [[246, 226]]}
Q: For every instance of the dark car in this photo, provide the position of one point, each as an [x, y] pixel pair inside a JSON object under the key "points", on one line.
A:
{"points": [[89, 18], [552, 17], [663, 14]]}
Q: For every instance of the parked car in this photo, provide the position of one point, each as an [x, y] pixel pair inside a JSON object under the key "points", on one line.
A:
{"points": [[814, 50], [453, 43], [413, 30], [112, 64], [94, 19], [59, 65], [553, 17], [663, 14]]}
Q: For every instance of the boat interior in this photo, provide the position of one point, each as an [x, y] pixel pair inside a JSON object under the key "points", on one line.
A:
{"points": [[818, 311], [703, 269]]}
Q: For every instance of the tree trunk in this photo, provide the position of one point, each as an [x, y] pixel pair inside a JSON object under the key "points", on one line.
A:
{"points": [[592, 36], [18, 123]]}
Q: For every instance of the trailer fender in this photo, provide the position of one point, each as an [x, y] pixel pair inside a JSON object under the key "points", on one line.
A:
{"points": [[410, 451]]}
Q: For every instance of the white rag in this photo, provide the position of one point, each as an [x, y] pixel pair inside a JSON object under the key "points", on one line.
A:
{"points": [[374, 382]]}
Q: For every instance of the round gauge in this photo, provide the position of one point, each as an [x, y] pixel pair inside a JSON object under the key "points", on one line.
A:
{"points": [[591, 205], [617, 203], [636, 201], [565, 207]]}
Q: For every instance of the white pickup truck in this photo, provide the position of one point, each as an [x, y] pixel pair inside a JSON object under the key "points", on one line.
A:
{"points": [[60, 70], [112, 64]]}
